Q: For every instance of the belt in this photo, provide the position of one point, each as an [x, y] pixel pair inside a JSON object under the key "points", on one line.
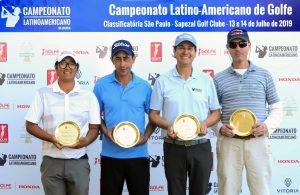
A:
{"points": [[244, 137], [185, 143], [84, 157]]}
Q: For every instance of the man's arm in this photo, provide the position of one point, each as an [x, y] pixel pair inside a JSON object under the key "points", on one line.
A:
{"points": [[157, 120]]}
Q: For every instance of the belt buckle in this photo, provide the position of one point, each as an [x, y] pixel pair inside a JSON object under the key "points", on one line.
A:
{"points": [[188, 143]]}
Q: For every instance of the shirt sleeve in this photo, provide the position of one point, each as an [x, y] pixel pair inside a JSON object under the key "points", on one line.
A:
{"points": [[157, 96], [35, 112], [275, 116]]}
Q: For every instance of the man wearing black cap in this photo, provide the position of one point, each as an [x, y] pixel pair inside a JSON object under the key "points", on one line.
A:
{"points": [[65, 167], [185, 90], [245, 88], [124, 98]]}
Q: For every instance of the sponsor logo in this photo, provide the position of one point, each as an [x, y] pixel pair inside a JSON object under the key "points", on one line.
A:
{"points": [[51, 76], [4, 106], [3, 133], [284, 133], [78, 76], [210, 72], [196, 89], [26, 53], [156, 188], [288, 161], [152, 78], [289, 79], [23, 106], [18, 78], [289, 189], [102, 50], [3, 52], [156, 51], [27, 186], [207, 52], [289, 106], [50, 52], [97, 161], [156, 137], [5, 186]]}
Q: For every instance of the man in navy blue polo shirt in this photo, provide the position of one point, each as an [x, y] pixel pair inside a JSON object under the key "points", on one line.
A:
{"points": [[245, 85], [124, 96]]}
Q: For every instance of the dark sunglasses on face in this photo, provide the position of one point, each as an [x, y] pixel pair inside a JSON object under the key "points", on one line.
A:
{"points": [[241, 44]]}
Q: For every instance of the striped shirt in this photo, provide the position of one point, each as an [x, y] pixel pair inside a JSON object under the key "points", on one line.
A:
{"points": [[254, 90]]}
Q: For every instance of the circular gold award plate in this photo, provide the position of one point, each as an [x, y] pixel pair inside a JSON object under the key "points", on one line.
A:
{"points": [[186, 126], [126, 134], [67, 133], [242, 121]]}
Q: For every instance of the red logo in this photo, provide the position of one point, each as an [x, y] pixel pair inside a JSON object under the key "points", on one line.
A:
{"points": [[206, 52], [4, 106], [97, 160], [26, 186], [3, 52], [5, 186], [156, 51], [3, 133], [23, 106], [51, 76], [209, 72], [50, 52], [156, 188]]}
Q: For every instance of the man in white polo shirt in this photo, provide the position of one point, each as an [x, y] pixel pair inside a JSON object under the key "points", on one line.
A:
{"points": [[65, 169], [185, 90]]}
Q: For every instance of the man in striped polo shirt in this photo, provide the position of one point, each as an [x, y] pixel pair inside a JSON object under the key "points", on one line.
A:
{"points": [[245, 85]]}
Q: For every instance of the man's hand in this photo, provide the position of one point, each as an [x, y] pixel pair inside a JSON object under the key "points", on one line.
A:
{"points": [[259, 129], [227, 130], [170, 132]]}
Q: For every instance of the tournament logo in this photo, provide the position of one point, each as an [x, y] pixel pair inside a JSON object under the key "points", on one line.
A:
{"points": [[102, 50], [3, 133], [289, 106], [261, 50], [20, 159], [207, 52], [11, 14], [2, 78], [3, 159], [26, 51], [3, 52], [156, 51], [50, 52], [284, 133], [152, 78], [155, 160]]}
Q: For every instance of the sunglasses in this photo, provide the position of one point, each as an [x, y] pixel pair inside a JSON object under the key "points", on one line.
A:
{"points": [[241, 44]]}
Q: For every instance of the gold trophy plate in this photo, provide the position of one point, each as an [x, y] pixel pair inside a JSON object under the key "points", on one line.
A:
{"points": [[242, 121], [126, 134], [67, 133], [186, 126]]}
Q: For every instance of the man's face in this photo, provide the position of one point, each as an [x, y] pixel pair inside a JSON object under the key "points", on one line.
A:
{"points": [[66, 69], [238, 50], [185, 53], [123, 63]]}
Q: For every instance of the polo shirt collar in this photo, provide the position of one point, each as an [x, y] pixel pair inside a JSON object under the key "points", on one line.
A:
{"points": [[134, 80], [251, 68], [56, 87], [195, 74]]}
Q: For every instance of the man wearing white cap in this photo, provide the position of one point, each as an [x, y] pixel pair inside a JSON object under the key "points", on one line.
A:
{"points": [[185, 90], [56, 110]]}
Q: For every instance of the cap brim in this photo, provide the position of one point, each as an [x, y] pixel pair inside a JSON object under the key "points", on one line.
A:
{"points": [[126, 51]]}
